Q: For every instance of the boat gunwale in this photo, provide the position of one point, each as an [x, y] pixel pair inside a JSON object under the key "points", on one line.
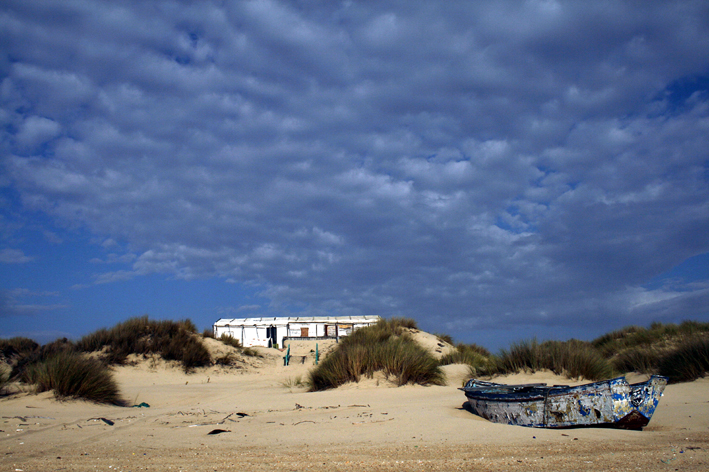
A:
{"points": [[535, 392]]}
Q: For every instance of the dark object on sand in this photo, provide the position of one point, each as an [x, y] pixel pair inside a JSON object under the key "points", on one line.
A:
{"points": [[612, 402], [105, 420], [219, 431]]}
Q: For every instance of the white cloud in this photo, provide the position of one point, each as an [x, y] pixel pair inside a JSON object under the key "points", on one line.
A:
{"points": [[14, 256], [466, 161], [26, 302], [36, 130]]}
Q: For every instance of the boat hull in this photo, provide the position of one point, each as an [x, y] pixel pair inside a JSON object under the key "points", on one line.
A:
{"points": [[612, 402]]}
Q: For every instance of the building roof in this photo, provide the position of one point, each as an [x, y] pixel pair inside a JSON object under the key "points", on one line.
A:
{"points": [[273, 320]]}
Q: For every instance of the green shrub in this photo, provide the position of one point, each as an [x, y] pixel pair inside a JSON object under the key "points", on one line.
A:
{"points": [[381, 347], [71, 375], [687, 362]]}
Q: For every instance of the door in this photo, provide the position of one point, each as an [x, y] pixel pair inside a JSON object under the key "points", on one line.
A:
{"points": [[303, 332], [271, 335]]}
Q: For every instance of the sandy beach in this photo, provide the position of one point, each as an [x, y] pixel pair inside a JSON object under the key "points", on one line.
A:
{"points": [[259, 422]]}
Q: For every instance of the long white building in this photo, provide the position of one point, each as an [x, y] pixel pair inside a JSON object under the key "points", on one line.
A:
{"points": [[275, 332]]}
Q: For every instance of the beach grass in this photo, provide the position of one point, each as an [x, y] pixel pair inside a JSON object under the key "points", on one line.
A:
{"points": [[573, 359], [247, 351], [642, 359], [4, 378], [384, 346], [674, 350], [476, 357], [398, 323], [294, 382], [225, 360], [446, 338], [72, 375], [657, 336], [230, 341], [689, 361], [171, 340], [680, 352], [17, 346]]}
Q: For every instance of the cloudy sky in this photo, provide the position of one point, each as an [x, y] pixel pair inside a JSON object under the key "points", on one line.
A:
{"points": [[495, 170]]}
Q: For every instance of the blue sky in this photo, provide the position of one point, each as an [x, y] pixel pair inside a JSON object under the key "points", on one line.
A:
{"points": [[494, 170]]}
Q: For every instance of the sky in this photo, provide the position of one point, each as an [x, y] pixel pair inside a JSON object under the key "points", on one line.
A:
{"points": [[494, 170]]}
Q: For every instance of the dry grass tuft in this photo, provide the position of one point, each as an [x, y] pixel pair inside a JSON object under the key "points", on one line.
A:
{"points": [[574, 359], [381, 347], [172, 340], [72, 375]]}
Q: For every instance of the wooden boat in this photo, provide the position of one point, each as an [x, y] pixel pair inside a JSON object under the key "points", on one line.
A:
{"points": [[612, 402]]}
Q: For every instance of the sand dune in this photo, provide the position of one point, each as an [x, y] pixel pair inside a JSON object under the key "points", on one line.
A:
{"points": [[372, 425]]}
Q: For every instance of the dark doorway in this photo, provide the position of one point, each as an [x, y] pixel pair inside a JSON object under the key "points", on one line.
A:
{"points": [[271, 335]]}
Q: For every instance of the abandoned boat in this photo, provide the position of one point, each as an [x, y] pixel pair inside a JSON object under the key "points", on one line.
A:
{"points": [[612, 402]]}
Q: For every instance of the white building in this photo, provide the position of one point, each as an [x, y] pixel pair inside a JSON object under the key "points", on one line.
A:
{"points": [[270, 332]]}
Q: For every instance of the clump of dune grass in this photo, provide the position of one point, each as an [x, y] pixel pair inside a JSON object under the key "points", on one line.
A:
{"points": [[397, 323], [226, 359], [71, 375], [576, 359], [445, 338], [684, 360], [247, 351], [476, 357], [16, 352], [573, 359], [646, 350], [17, 346], [407, 362], [383, 347], [657, 336], [4, 377], [230, 341], [642, 359], [294, 382], [171, 340], [687, 362], [39, 354]]}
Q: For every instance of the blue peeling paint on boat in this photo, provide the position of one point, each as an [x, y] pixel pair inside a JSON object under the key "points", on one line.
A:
{"points": [[612, 402]]}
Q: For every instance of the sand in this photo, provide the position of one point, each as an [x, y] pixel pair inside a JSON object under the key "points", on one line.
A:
{"points": [[268, 423]]}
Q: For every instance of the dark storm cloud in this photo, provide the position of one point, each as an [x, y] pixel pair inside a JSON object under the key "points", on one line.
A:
{"points": [[484, 163]]}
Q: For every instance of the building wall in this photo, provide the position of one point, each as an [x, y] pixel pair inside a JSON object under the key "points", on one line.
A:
{"points": [[258, 335]]}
